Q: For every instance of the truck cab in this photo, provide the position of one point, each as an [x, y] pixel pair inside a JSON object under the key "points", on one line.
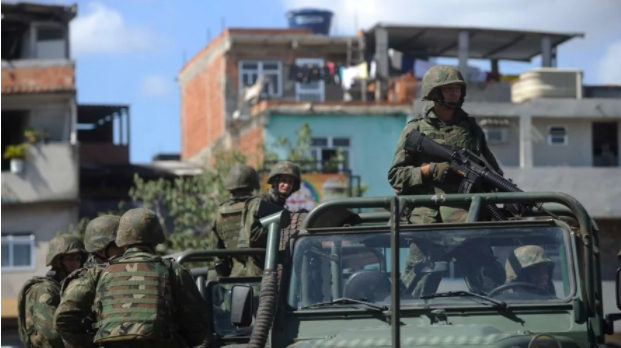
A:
{"points": [[338, 278]]}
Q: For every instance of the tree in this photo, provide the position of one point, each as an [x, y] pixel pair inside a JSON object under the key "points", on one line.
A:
{"points": [[187, 206]]}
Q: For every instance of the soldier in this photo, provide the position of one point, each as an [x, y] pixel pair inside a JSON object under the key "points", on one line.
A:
{"points": [[241, 182], [530, 264], [39, 297], [444, 121], [74, 318], [143, 300], [285, 179]]}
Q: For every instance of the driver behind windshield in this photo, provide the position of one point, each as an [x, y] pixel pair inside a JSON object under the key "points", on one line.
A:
{"points": [[530, 264]]}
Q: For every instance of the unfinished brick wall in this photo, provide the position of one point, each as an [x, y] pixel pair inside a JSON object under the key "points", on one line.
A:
{"points": [[38, 79], [250, 144], [202, 105]]}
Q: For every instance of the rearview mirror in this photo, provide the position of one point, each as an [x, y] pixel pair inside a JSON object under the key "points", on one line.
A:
{"points": [[241, 305], [618, 288], [435, 267]]}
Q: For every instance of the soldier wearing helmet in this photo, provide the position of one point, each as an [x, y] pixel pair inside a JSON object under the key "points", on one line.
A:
{"points": [[39, 297], [241, 182], [77, 296], [285, 179], [140, 298], [530, 264], [444, 121]]}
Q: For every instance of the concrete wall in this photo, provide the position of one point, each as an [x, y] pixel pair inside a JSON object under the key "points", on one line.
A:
{"points": [[577, 152], [373, 140], [44, 111], [43, 220], [50, 173]]}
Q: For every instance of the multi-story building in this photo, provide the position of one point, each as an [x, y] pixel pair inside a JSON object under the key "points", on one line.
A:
{"points": [[56, 153], [40, 184]]}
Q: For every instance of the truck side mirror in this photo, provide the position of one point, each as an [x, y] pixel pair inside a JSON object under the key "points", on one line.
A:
{"points": [[618, 288], [241, 305]]}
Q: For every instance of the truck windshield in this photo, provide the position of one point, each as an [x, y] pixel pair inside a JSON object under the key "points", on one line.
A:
{"points": [[514, 264]]}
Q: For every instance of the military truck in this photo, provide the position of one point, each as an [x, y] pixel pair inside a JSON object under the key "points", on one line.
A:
{"points": [[333, 278]]}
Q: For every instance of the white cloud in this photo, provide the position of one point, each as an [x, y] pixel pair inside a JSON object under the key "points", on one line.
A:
{"points": [[609, 68], [103, 30], [157, 86], [598, 19]]}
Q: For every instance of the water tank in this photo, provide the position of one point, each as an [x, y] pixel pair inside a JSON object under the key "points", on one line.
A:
{"points": [[318, 21]]}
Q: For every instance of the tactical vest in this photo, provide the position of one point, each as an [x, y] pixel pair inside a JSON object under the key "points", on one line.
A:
{"points": [[230, 221], [134, 300], [25, 326], [464, 134]]}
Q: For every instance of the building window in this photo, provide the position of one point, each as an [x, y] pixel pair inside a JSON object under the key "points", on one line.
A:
{"points": [[249, 72], [557, 135], [51, 43], [17, 251], [496, 135], [323, 149], [312, 91]]}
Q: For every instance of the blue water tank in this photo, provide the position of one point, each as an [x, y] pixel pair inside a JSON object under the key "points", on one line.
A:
{"points": [[318, 21]]}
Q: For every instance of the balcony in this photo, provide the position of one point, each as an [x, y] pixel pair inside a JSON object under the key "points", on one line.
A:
{"points": [[50, 173], [38, 76]]}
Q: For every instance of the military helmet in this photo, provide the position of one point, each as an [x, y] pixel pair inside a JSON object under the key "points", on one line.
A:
{"points": [[139, 226], [524, 257], [442, 75], [286, 168], [100, 232], [242, 176], [62, 245]]}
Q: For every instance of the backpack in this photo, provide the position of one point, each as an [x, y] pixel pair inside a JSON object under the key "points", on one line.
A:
{"points": [[23, 329], [135, 301]]}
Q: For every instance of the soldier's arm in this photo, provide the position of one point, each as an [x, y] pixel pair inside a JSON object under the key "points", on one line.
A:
{"points": [[73, 318], [192, 319], [405, 173], [254, 231], [47, 299]]}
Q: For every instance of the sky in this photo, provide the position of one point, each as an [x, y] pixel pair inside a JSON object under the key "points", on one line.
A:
{"points": [[130, 51]]}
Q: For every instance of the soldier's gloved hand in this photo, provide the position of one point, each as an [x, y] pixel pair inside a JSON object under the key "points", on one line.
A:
{"points": [[443, 172]]}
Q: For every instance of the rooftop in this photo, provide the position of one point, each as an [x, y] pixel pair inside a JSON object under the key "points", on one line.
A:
{"points": [[484, 43], [29, 12]]}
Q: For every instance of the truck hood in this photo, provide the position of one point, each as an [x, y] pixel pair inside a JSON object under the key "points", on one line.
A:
{"points": [[417, 336]]}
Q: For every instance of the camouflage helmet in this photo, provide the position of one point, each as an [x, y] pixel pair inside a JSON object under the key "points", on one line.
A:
{"points": [[442, 75], [242, 176], [286, 168], [139, 226], [524, 257], [100, 232], [62, 245]]}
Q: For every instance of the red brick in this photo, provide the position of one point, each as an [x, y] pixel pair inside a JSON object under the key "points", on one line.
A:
{"points": [[38, 79]]}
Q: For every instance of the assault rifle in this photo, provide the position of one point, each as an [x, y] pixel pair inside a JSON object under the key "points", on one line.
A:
{"points": [[477, 173]]}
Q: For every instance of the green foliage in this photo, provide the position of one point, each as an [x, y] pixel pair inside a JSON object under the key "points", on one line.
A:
{"points": [[187, 206]]}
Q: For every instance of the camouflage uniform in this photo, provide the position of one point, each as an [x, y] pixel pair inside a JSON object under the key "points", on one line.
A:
{"points": [[405, 177], [39, 297], [253, 234], [229, 217], [74, 317], [142, 299], [524, 257]]}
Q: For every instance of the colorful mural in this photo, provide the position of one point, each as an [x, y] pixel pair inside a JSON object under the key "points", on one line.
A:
{"points": [[315, 188]]}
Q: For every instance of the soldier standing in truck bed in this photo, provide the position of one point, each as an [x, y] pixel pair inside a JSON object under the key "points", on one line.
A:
{"points": [[445, 122]]}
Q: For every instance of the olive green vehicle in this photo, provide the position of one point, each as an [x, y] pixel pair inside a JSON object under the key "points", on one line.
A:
{"points": [[333, 278]]}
